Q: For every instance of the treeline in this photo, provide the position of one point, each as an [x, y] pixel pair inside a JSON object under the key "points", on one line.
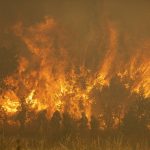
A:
{"points": [[134, 124], [117, 111]]}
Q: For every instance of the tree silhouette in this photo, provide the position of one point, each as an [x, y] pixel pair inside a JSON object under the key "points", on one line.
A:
{"points": [[55, 125], [83, 125], [113, 102], [137, 119], [42, 122], [69, 125], [3, 120], [21, 115], [95, 125]]}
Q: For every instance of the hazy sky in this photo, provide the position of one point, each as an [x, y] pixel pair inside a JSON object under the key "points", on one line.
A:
{"points": [[81, 18]]}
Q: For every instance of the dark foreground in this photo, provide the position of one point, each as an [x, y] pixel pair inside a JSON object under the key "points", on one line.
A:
{"points": [[118, 143]]}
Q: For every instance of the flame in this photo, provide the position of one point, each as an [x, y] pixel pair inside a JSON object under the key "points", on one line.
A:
{"points": [[10, 102], [137, 73], [44, 81], [104, 70]]}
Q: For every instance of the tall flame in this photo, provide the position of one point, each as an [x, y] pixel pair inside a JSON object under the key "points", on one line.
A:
{"points": [[46, 77]]}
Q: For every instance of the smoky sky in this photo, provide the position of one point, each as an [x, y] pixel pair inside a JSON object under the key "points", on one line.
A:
{"points": [[82, 20]]}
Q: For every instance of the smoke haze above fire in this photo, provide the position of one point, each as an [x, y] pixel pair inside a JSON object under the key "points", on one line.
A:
{"points": [[83, 21], [68, 46]]}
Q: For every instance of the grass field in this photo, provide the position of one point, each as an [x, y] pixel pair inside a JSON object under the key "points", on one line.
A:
{"points": [[71, 144]]}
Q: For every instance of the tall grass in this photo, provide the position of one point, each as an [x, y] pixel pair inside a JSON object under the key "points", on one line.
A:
{"points": [[14, 143]]}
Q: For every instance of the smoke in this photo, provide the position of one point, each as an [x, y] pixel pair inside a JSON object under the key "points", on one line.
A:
{"points": [[84, 23], [55, 53]]}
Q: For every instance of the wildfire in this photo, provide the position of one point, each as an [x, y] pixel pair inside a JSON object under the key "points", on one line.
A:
{"points": [[43, 81], [10, 102]]}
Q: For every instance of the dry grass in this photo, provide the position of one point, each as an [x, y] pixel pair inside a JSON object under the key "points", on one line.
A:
{"points": [[69, 144]]}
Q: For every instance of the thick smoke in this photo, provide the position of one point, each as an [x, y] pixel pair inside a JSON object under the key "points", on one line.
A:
{"points": [[51, 39], [84, 22]]}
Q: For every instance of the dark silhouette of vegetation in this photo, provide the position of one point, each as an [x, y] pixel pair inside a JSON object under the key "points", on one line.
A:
{"points": [[137, 118], [69, 125], [42, 122], [119, 112], [94, 123], [55, 126], [21, 116], [83, 125]]}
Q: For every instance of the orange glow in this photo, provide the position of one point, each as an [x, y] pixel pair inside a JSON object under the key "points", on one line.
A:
{"points": [[43, 82]]}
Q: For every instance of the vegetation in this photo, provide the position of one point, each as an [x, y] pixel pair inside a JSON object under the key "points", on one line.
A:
{"points": [[121, 122], [72, 144]]}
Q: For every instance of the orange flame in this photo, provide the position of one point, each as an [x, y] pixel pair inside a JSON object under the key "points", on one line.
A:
{"points": [[43, 81]]}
